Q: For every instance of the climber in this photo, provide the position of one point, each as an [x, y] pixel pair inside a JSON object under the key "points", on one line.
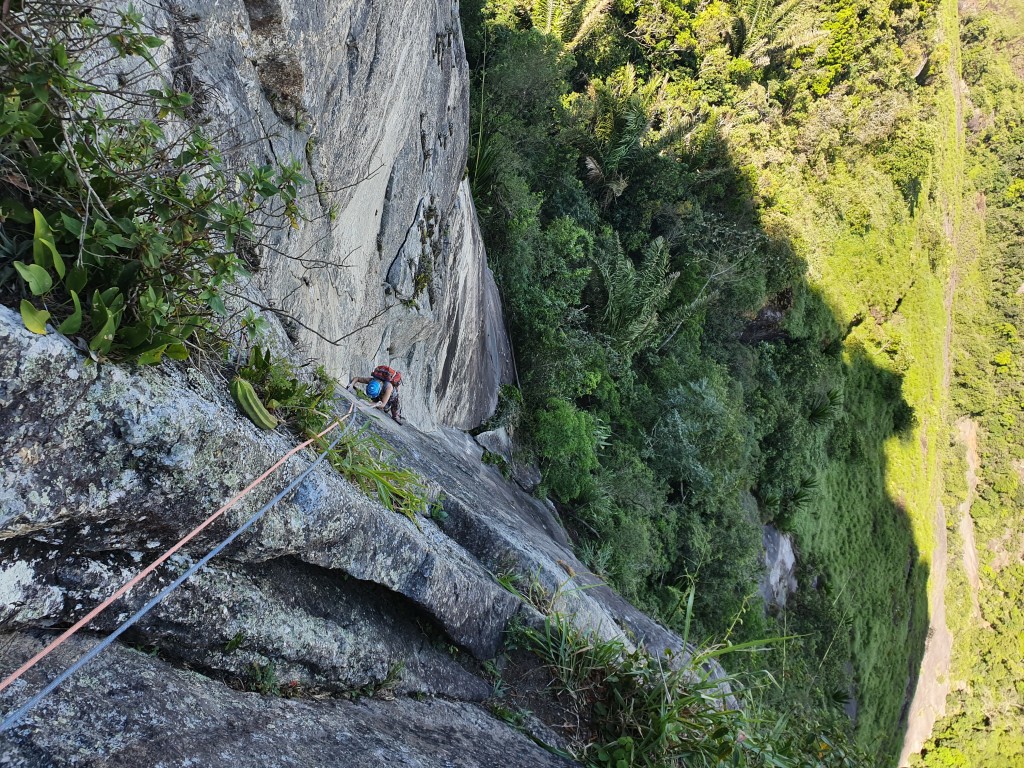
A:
{"points": [[382, 387]]}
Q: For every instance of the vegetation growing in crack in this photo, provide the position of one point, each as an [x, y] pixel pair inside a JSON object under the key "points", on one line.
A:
{"points": [[306, 405], [623, 707]]}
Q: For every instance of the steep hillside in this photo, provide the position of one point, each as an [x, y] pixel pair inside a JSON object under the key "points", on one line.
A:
{"points": [[746, 216], [982, 723]]}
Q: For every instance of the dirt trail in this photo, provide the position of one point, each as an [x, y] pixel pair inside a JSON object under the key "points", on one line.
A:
{"points": [[932, 686], [929, 703], [969, 436], [933, 683]]}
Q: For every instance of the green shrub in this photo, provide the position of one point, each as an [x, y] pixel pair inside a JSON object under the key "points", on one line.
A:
{"points": [[119, 217], [566, 448]]}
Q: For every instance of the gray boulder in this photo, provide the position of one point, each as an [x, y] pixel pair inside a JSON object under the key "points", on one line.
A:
{"points": [[779, 579]]}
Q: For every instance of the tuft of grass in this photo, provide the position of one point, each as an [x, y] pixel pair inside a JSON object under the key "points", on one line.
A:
{"points": [[632, 709], [361, 457], [262, 678], [497, 460], [367, 461], [529, 589]]}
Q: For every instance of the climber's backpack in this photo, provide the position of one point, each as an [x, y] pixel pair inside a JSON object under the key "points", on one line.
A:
{"points": [[385, 373]]}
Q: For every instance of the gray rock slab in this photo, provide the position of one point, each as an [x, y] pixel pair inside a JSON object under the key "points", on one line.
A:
{"points": [[132, 711], [94, 458], [507, 529], [315, 628]]}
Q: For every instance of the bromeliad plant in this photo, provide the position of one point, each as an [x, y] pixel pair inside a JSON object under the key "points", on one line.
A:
{"points": [[119, 221]]}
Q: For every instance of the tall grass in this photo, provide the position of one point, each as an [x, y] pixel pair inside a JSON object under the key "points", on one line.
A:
{"points": [[367, 462], [637, 710]]}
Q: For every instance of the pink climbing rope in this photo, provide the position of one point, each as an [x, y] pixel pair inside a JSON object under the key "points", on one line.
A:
{"points": [[162, 559]]}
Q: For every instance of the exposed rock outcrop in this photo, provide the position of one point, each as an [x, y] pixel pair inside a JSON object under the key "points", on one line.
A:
{"points": [[132, 710], [372, 99], [331, 594], [779, 579], [103, 468]]}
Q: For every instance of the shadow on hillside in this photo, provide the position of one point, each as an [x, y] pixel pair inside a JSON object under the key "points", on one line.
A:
{"points": [[862, 582], [855, 540], [862, 595], [856, 548]]}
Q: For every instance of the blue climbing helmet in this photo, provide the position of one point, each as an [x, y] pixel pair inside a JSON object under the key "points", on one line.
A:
{"points": [[373, 389]]}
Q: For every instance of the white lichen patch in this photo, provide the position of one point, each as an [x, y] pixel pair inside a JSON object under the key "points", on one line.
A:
{"points": [[22, 597]]}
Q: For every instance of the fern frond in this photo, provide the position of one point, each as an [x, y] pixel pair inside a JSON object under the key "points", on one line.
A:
{"points": [[598, 10], [636, 296], [635, 124], [765, 28]]}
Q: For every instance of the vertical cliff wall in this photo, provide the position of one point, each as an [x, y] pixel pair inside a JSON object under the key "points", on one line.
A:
{"points": [[372, 99]]}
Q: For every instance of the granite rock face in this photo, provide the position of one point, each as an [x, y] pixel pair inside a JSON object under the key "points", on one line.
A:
{"points": [[133, 710], [372, 99], [103, 468]]}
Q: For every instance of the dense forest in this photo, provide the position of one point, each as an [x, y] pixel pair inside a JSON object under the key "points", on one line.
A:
{"points": [[727, 236]]}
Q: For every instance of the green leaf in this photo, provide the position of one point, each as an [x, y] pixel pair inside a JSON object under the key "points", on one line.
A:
{"points": [[34, 319], [71, 224], [76, 279], [137, 338], [177, 351], [74, 323], [119, 241], [44, 252], [103, 340], [128, 275], [15, 210], [99, 313], [151, 356], [109, 294], [38, 279]]}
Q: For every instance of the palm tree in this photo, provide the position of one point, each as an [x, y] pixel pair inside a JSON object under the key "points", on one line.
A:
{"points": [[636, 296], [550, 16], [615, 117], [763, 29], [594, 12]]}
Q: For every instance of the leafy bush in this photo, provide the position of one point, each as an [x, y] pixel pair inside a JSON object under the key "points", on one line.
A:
{"points": [[566, 447], [120, 221]]}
